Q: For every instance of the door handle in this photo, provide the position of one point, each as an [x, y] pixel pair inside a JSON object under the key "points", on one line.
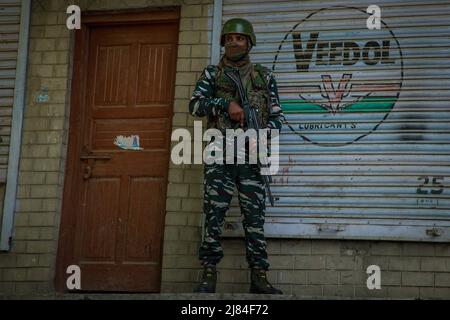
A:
{"points": [[96, 157], [91, 159], [87, 172]]}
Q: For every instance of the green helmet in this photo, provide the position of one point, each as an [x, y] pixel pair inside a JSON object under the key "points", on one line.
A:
{"points": [[238, 25]]}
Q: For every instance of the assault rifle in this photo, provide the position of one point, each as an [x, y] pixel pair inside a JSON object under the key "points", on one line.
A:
{"points": [[252, 120]]}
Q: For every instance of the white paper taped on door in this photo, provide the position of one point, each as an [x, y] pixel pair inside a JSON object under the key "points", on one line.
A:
{"points": [[128, 143]]}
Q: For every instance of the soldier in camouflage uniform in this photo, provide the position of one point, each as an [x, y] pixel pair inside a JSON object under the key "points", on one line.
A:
{"points": [[216, 97]]}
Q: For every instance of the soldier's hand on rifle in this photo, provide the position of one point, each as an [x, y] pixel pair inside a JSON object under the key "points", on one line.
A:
{"points": [[253, 145], [236, 113]]}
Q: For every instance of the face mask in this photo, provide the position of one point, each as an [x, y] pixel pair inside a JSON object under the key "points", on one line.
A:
{"points": [[234, 52]]}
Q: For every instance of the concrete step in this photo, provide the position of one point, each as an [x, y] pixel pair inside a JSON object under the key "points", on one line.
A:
{"points": [[169, 296]]}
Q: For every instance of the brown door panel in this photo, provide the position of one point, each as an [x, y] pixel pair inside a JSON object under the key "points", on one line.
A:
{"points": [[152, 133], [144, 217], [139, 112], [149, 164], [97, 228]]}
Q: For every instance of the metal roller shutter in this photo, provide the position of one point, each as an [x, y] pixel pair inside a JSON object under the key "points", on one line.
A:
{"points": [[367, 153], [9, 38]]}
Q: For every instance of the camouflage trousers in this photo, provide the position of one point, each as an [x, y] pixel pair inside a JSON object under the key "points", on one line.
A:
{"points": [[219, 183]]}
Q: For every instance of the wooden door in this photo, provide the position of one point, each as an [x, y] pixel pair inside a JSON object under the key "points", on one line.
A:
{"points": [[114, 201]]}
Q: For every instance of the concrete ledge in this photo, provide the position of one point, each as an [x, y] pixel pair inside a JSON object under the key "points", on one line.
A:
{"points": [[172, 296]]}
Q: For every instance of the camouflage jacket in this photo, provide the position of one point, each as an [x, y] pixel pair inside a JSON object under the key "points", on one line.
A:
{"points": [[214, 92]]}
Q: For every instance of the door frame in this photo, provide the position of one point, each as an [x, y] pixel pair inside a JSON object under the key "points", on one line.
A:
{"points": [[76, 118]]}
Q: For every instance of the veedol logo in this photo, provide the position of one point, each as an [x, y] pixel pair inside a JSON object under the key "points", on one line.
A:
{"points": [[338, 72]]}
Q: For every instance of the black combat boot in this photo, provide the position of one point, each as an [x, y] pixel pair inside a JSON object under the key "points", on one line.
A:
{"points": [[208, 282], [260, 284]]}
